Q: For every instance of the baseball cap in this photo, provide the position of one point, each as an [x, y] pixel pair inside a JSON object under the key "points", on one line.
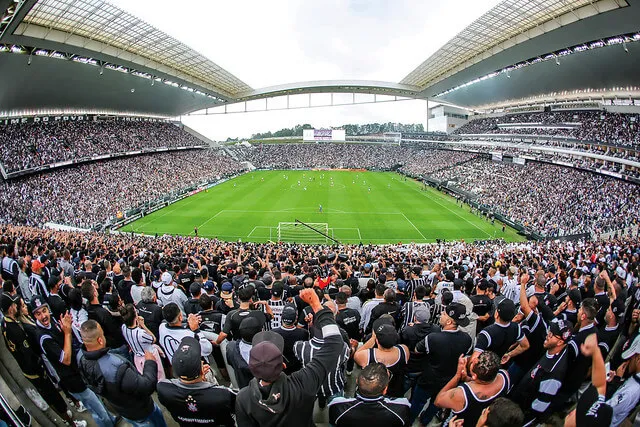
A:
{"points": [[226, 290], [385, 319], [575, 296], [633, 349], [6, 301], [386, 335], [458, 312], [277, 289], [561, 328], [195, 288], [166, 278], [617, 307], [367, 265], [421, 314], [449, 276], [37, 302], [506, 309], [186, 360], [36, 264], [248, 328], [289, 314], [591, 411], [208, 285], [265, 357]]}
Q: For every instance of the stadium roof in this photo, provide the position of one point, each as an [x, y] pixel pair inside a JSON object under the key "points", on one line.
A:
{"points": [[508, 22], [515, 38], [100, 26]]}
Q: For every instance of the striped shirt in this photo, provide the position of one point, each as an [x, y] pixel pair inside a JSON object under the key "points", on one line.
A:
{"points": [[138, 339], [409, 309], [37, 286], [511, 290], [276, 308], [334, 384], [412, 285], [436, 309]]}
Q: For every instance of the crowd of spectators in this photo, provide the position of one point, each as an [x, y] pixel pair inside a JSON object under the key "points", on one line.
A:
{"points": [[28, 145], [90, 194], [425, 162], [552, 200], [484, 333], [602, 126], [340, 156]]}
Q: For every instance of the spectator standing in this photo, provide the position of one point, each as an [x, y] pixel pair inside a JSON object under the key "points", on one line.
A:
{"points": [[118, 381], [190, 398]]}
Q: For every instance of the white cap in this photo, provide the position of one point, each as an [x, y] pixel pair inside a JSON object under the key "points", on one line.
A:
{"points": [[166, 278], [633, 349]]}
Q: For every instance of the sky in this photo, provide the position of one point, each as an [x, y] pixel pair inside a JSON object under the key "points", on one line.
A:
{"points": [[266, 43]]}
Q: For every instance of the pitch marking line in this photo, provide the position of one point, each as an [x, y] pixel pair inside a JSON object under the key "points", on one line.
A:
{"points": [[256, 227], [414, 226], [200, 226], [453, 212]]}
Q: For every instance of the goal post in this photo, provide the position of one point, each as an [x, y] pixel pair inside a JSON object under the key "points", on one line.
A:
{"points": [[301, 232]]}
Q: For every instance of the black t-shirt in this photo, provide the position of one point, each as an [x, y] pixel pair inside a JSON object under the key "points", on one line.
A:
{"points": [[52, 344], [538, 388], [57, 305], [498, 338], [234, 318], [124, 290], [443, 349], [535, 330], [603, 304], [198, 404], [291, 336], [349, 320], [211, 321], [152, 315], [391, 308], [185, 279], [19, 345]]}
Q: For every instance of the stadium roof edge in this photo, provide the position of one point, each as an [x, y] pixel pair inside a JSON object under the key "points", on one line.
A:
{"points": [[332, 86]]}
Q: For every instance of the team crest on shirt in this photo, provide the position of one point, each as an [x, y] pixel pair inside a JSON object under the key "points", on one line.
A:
{"points": [[191, 404]]}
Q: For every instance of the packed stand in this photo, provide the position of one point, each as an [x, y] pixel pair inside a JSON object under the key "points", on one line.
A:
{"points": [[425, 162], [360, 156], [90, 194], [487, 334], [602, 126], [24, 146], [551, 200]]}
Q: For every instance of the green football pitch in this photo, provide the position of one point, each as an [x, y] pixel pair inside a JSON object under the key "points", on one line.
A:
{"points": [[367, 207]]}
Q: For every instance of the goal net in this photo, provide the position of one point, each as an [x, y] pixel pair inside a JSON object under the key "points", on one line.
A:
{"points": [[298, 233]]}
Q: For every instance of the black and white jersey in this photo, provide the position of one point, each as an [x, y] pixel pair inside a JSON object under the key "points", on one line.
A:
{"points": [[361, 411], [198, 404], [499, 338], [37, 286], [276, 308], [305, 350], [412, 284], [138, 339], [10, 270], [170, 337], [409, 309]]}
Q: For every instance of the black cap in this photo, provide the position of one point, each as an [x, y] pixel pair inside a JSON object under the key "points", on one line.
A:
{"points": [[53, 280], [506, 310], [195, 288], [36, 303], [289, 314], [6, 301], [186, 361], [386, 335], [592, 410], [561, 328], [575, 296], [249, 327], [277, 289], [458, 312]]}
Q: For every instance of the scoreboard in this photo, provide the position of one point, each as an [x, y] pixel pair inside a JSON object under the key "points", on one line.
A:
{"points": [[311, 135]]}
